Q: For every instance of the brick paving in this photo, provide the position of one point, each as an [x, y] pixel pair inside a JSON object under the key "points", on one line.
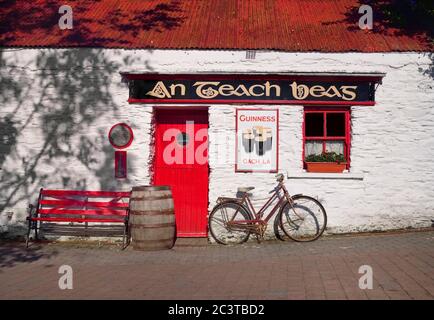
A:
{"points": [[402, 263]]}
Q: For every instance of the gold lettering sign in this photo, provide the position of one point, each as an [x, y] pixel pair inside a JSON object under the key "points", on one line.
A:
{"points": [[206, 92], [348, 94], [159, 91], [299, 92], [209, 90], [302, 91], [213, 89]]}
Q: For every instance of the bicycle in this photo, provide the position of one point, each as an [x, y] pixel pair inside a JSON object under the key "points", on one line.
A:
{"points": [[301, 218]]}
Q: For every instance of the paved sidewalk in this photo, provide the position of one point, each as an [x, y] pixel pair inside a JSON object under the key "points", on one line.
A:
{"points": [[403, 268]]}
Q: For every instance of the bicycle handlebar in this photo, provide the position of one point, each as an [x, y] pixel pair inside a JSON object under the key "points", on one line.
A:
{"points": [[280, 177]]}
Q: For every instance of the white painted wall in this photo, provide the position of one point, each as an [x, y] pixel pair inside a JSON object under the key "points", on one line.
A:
{"points": [[391, 142]]}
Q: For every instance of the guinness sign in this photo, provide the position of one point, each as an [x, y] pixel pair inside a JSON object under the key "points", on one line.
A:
{"points": [[278, 89]]}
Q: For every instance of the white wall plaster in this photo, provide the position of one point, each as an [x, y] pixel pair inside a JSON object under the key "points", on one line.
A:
{"points": [[391, 142]]}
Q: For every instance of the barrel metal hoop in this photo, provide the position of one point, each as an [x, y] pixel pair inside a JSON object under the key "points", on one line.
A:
{"points": [[168, 196], [151, 188], [151, 212], [154, 240], [154, 225]]}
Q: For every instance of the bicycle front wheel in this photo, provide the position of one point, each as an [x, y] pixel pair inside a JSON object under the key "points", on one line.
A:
{"points": [[304, 220], [225, 233]]}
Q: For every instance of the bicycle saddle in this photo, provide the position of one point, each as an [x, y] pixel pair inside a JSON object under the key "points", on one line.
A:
{"points": [[245, 189]]}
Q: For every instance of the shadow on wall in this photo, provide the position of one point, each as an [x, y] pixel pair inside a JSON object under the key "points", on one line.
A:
{"points": [[430, 70], [8, 137], [66, 95], [105, 173], [72, 92]]}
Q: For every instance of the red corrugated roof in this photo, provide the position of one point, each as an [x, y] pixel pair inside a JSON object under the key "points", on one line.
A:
{"points": [[288, 25]]}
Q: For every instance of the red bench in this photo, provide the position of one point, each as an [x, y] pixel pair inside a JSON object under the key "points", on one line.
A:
{"points": [[79, 206]]}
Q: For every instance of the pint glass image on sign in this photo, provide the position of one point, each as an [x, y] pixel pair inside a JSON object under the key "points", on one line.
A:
{"points": [[257, 140]]}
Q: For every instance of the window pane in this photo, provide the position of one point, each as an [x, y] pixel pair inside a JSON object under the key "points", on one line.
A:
{"points": [[335, 146], [313, 147], [314, 125], [336, 124]]}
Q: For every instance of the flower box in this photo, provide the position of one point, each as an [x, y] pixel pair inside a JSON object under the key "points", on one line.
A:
{"points": [[330, 167]]}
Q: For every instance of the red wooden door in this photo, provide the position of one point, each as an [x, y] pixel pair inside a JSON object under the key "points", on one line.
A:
{"points": [[181, 161]]}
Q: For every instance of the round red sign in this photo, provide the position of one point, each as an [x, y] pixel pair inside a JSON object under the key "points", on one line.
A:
{"points": [[121, 136]]}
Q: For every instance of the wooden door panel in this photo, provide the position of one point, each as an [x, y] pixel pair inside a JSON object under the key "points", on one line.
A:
{"points": [[187, 178]]}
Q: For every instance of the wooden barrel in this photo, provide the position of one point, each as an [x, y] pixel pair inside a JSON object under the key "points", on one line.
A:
{"points": [[152, 218]]}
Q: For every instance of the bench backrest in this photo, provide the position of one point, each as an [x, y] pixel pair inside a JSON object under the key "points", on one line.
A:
{"points": [[75, 205]]}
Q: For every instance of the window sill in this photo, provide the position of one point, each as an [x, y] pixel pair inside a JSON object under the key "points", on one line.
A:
{"points": [[319, 175]]}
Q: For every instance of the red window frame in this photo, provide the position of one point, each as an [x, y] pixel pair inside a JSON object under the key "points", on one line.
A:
{"points": [[324, 137]]}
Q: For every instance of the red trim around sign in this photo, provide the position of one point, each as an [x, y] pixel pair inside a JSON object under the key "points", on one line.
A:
{"points": [[247, 102], [265, 77], [236, 142], [129, 141]]}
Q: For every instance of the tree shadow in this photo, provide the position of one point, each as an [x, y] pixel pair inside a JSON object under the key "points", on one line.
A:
{"points": [[407, 18], [8, 137], [72, 90], [27, 18], [12, 254], [158, 19], [119, 27], [60, 95], [72, 95], [58, 123], [429, 71], [394, 17]]}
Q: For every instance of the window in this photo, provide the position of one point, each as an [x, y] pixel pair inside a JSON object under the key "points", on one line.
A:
{"points": [[182, 139], [326, 130]]}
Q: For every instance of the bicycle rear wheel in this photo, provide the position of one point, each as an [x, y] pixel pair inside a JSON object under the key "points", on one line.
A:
{"points": [[218, 223], [304, 220]]}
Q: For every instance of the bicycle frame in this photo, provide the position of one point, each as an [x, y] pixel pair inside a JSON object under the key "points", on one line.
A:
{"points": [[256, 222], [258, 215]]}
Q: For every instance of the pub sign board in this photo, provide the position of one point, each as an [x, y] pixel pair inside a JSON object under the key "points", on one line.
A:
{"points": [[257, 140], [252, 89]]}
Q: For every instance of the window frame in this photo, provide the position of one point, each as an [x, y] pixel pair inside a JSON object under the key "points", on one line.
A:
{"points": [[347, 138]]}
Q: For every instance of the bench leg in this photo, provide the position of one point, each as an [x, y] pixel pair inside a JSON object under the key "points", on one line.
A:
{"points": [[124, 237], [28, 233], [36, 230]]}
